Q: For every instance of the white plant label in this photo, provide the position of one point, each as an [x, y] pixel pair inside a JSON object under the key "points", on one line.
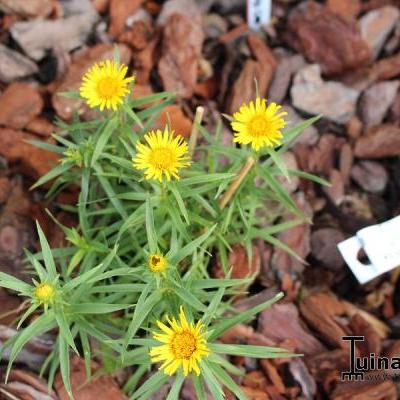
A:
{"points": [[258, 13], [381, 243]]}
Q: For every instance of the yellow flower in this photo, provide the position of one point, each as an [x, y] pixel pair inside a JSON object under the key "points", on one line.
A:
{"points": [[258, 124], [104, 85], [163, 155], [157, 263], [45, 292], [184, 345]]}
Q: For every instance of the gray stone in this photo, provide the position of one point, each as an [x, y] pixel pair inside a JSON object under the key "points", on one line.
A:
{"points": [[37, 36], [14, 65], [312, 95], [324, 247], [184, 7], [376, 101], [284, 72], [377, 25], [370, 175], [27, 8], [76, 7]]}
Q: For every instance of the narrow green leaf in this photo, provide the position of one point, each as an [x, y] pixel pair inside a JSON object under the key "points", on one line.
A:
{"points": [[212, 307], [64, 365], [150, 229], [290, 134], [189, 298], [64, 329], [10, 282], [180, 202], [143, 307], [56, 171], [103, 140], [86, 353], [47, 146], [40, 325], [250, 351], [243, 316], [133, 116], [151, 385], [310, 177], [228, 381], [199, 387], [97, 308], [279, 163], [176, 388], [47, 255], [191, 247], [212, 382]]}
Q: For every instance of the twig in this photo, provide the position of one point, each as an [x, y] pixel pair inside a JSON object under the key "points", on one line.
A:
{"points": [[195, 128], [236, 183]]}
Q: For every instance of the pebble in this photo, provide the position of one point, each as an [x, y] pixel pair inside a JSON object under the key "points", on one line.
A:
{"points": [[313, 95]]}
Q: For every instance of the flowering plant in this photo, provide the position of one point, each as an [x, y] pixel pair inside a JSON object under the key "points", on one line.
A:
{"points": [[134, 276]]}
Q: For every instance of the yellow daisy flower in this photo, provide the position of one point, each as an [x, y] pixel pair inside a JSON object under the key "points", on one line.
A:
{"points": [[163, 155], [184, 345], [45, 292], [104, 85], [258, 124], [157, 263]]}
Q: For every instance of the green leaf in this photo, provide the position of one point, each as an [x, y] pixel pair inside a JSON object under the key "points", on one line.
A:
{"points": [[32, 308], [64, 365], [228, 381], [277, 243], [47, 146], [143, 307], [40, 325], [56, 171], [10, 282], [278, 162], [310, 177], [290, 134], [87, 276], [219, 283], [70, 95], [212, 307], [189, 298], [64, 329], [150, 229], [207, 178], [97, 308], [283, 196], [250, 351], [211, 381], [191, 247], [176, 388], [199, 387], [243, 316], [151, 385], [47, 255], [180, 202], [110, 192], [86, 353], [133, 116], [103, 139]]}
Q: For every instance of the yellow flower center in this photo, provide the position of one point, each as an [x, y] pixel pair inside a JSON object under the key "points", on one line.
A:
{"points": [[45, 292], [258, 126], [107, 87], [157, 263], [183, 345], [163, 158]]}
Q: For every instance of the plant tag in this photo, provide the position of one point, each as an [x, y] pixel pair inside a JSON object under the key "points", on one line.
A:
{"points": [[258, 13], [381, 243]]}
